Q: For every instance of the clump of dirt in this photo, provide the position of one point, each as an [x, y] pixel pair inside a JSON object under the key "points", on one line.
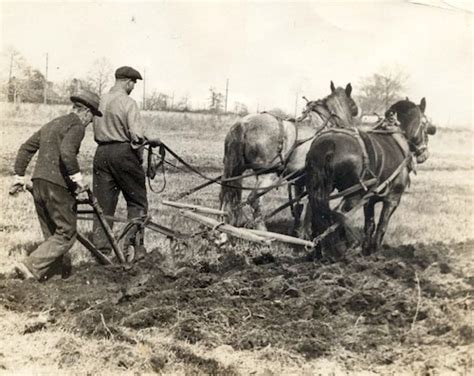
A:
{"points": [[395, 300]]}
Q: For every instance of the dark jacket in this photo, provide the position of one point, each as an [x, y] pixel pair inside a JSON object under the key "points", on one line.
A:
{"points": [[58, 143]]}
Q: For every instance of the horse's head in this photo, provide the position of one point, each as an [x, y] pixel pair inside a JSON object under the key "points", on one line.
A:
{"points": [[339, 106], [415, 125]]}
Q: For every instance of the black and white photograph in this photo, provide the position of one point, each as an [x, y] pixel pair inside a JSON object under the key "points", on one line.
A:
{"points": [[237, 187]]}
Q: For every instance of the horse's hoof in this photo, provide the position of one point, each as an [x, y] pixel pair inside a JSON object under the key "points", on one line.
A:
{"points": [[366, 251], [314, 255]]}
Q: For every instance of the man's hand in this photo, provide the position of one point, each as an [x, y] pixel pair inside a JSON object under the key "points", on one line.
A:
{"points": [[154, 142], [18, 185], [81, 186]]}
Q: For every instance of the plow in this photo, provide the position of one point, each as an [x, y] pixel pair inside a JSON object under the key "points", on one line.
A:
{"points": [[89, 208]]}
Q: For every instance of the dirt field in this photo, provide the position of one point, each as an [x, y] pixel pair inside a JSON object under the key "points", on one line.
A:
{"points": [[194, 308]]}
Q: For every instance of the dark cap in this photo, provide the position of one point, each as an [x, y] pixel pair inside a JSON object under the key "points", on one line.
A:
{"points": [[88, 99], [128, 72]]}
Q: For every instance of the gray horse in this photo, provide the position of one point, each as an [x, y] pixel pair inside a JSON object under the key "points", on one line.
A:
{"points": [[277, 149]]}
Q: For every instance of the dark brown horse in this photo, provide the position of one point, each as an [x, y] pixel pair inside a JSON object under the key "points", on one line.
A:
{"points": [[263, 142], [342, 158]]}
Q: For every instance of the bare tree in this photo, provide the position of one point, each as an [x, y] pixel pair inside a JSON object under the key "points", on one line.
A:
{"points": [[15, 69], [157, 101], [100, 75], [382, 89], [13, 63]]}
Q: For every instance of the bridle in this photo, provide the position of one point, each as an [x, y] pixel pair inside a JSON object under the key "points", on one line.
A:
{"points": [[321, 108], [420, 148]]}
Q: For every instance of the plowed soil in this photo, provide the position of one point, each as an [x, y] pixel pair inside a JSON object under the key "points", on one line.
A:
{"points": [[384, 309]]}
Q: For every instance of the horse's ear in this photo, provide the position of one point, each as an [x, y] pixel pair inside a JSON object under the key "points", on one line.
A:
{"points": [[423, 104], [348, 89], [333, 88]]}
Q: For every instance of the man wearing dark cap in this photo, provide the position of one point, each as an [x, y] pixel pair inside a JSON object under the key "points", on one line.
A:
{"points": [[56, 181], [117, 162]]}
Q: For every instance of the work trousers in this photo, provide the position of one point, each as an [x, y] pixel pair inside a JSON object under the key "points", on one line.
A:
{"points": [[117, 168], [57, 213]]}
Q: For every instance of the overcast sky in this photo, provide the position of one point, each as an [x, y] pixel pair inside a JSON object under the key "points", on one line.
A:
{"points": [[269, 51]]}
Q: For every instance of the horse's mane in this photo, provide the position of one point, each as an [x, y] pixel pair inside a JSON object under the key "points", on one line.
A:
{"points": [[403, 106]]}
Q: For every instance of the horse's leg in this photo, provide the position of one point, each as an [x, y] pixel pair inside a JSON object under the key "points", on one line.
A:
{"points": [[254, 200], [301, 228], [230, 198], [369, 225], [390, 204]]}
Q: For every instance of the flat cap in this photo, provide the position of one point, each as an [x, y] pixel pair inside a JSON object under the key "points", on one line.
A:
{"points": [[128, 72], [88, 99]]}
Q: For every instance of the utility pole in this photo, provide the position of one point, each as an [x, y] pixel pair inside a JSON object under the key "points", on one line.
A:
{"points": [[45, 88], [226, 94], [144, 90]]}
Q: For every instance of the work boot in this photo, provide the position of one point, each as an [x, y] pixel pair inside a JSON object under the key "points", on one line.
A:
{"points": [[22, 272], [66, 267]]}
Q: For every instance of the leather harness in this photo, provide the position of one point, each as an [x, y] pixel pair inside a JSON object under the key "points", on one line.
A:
{"points": [[370, 159]]}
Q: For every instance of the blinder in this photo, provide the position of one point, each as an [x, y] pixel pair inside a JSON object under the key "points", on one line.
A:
{"points": [[420, 150]]}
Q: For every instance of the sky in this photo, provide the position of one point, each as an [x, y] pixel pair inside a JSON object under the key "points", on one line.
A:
{"points": [[272, 53]]}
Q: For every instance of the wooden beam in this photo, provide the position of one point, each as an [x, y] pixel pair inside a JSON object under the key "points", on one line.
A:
{"points": [[282, 237], [192, 207], [103, 259], [241, 233]]}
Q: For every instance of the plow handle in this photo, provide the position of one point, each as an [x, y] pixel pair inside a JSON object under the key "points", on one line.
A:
{"points": [[108, 231]]}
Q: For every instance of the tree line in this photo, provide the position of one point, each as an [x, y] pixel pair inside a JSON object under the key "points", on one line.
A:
{"points": [[27, 84]]}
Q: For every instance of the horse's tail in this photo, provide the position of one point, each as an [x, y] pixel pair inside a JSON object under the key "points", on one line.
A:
{"points": [[320, 184], [234, 165]]}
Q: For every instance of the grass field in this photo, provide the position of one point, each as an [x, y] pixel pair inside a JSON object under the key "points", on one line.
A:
{"points": [[207, 334]]}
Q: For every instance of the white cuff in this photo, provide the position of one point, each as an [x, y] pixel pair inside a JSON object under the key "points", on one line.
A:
{"points": [[76, 177], [17, 179]]}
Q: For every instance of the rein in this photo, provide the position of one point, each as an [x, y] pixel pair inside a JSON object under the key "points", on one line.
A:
{"points": [[281, 165], [151, 171], [275, 168], [222, 182]]}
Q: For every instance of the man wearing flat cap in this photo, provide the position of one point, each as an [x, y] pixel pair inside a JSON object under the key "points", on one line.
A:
{"points": [[57, 179], [120, 136]]}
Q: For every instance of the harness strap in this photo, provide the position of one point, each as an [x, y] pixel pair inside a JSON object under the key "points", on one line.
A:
{"points": [[365, 156], [356, 134], [373, 159], [281, 139], [399, 137]]}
